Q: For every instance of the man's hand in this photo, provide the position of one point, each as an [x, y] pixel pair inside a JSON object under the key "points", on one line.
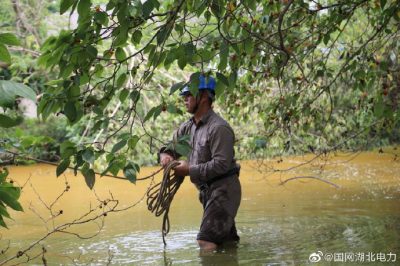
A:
{"points": [[165, 159], [182, 169]]}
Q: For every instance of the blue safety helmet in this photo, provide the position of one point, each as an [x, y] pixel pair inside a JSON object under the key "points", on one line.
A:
{"points": [[206, 83]]}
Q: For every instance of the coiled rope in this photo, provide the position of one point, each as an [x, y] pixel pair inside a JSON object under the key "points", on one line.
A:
{"points": [[160, 196]]}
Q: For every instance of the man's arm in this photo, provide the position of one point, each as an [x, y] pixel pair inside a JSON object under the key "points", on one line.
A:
{"points": [[222, 152]]}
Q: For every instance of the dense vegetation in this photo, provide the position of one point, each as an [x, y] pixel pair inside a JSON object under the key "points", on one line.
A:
{"points": [[293, 76]]}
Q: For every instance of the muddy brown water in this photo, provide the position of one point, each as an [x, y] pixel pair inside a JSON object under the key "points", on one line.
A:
{"points": [[292, 224]]}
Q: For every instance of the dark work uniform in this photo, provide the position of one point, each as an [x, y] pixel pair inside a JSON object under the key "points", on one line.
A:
{"points": [[214, 171]]}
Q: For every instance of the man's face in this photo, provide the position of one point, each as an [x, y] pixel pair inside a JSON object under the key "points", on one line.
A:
{"points": [[190, 103]]}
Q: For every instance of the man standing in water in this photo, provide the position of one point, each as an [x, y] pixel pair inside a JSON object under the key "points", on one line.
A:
{"points": [[211, 165]]}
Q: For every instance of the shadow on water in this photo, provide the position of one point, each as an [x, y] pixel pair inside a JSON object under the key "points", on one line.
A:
{"points": [[222, 256]]}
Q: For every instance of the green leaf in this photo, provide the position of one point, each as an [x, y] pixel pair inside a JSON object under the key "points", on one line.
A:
{"points": [[252, 4], [121, 80], [223, 56], [84, 8], [205, 55], [101, 18], [135, 96], [7, 122], [3, 212], [90, 177], [163, 34], [216, 8], [190, 51], [9, 199], [70, 111], [184, 138], [9, 188], [157, 112], [223, 79], [183, 149], [379, 107], [248, 46], [120, 54], [91, 51], [200, 7], [113, 167], [62, 167], [65, 4], [126, 136], [9, 90], [88, 156], [171, 108], [84, 78], [74, 91], [67, 149], [123, 95], [4, 54], [135, 10], [2, 223], [383, 3], [326, 39], [153, 59], [130, 174], [136, 37], [156, 4], [149, 114], [115, 164], [122, 35], [176, 86], [132, 142], [170, 57], [154, 112], [182, 61], [98, 70], [9, 39], [219, 89], [232, 79], [148, 6], [178, 28], [66, 71], [207, 15], [182, 145], [194, 83], [119, 146], [28, 141]]}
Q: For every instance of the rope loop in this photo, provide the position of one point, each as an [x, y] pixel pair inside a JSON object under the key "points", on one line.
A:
{"points": [[160, 196]]}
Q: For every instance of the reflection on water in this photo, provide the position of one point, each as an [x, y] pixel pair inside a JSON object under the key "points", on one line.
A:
{"points": [[278, 225]]}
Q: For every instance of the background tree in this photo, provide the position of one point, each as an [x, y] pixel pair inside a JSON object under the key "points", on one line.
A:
{"points": [[9, 90], [305, 73], [20, 40]]}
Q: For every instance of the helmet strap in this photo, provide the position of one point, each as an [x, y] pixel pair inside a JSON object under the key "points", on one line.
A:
{"points": [[197, 103]]}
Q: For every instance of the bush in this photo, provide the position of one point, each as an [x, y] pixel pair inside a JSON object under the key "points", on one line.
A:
{"points": [[36, 138]]}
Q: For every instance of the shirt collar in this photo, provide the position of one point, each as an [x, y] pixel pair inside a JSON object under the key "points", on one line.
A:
{"points": [[204, 119]]}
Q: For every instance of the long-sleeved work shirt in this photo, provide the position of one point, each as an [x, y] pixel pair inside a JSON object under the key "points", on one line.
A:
{"points": [[212, 141]]}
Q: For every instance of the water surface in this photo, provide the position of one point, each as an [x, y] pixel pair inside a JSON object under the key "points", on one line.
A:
{"points": [[278, 224]]}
